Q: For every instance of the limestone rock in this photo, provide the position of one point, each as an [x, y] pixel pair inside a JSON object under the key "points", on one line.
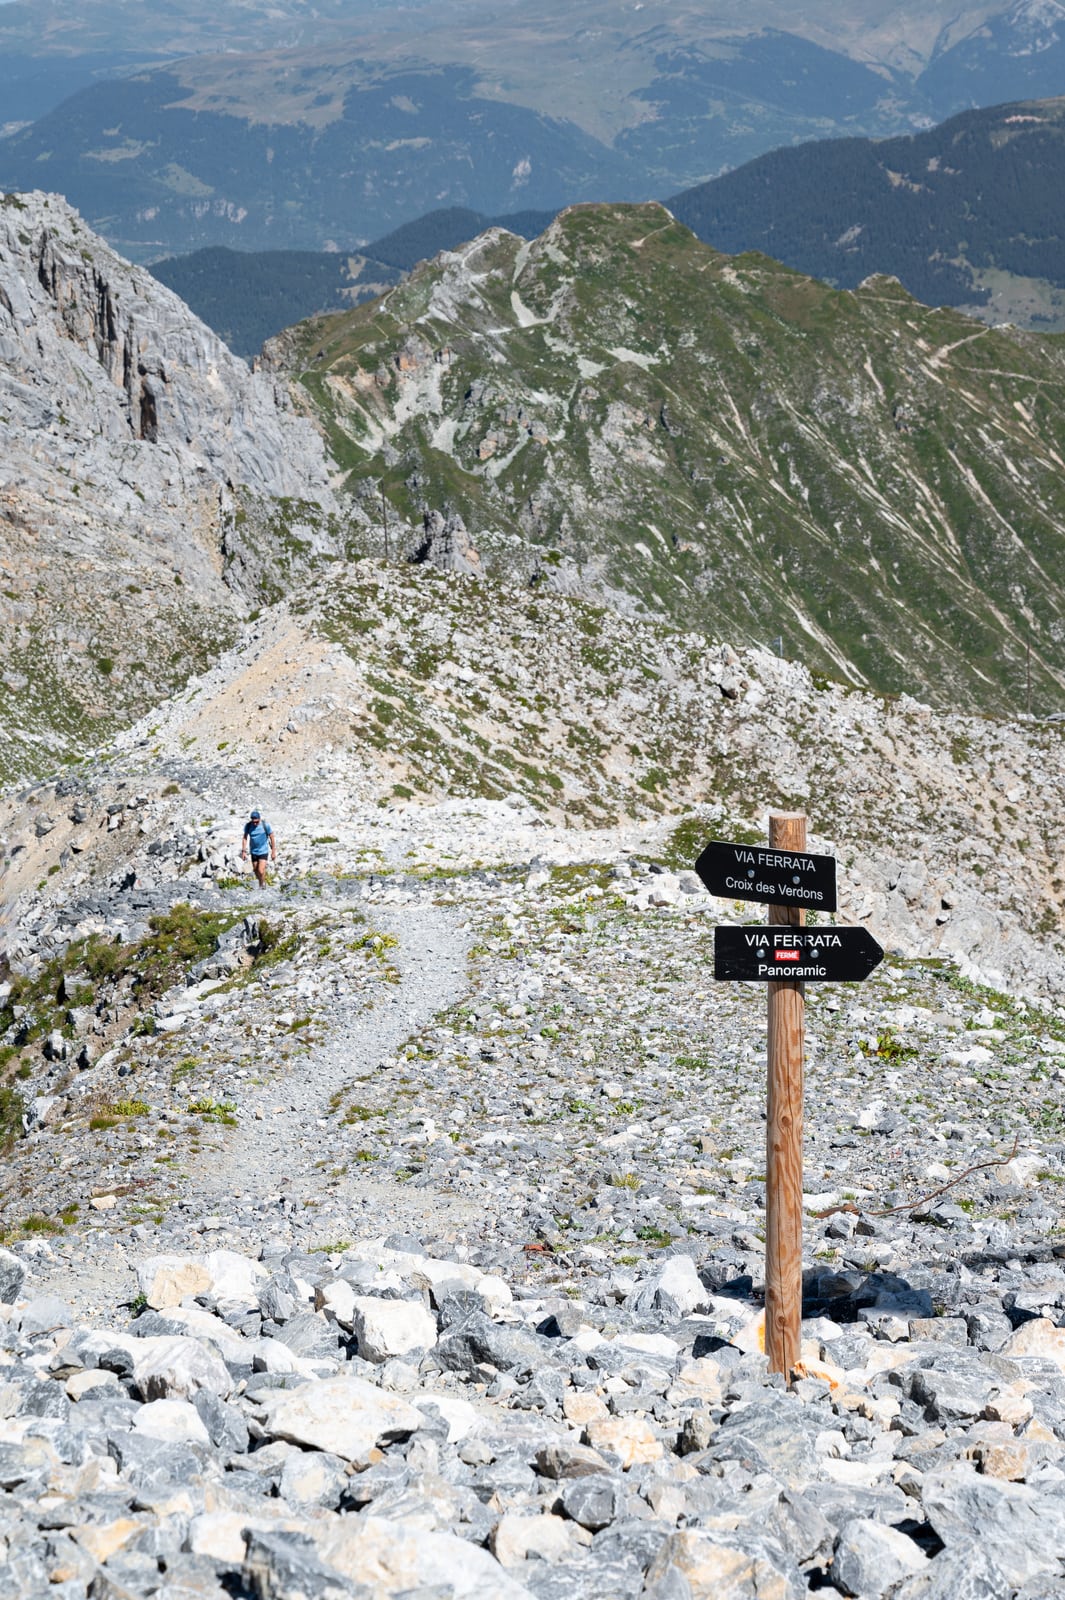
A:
{"points": [[385, 1328], [345, 1416], [721, 1566], [391, 1556], [870, 1558], [176, 1367], [176, 1421], [1038, 1337], [517, 1539], [631, 1438], [166, 1280]]}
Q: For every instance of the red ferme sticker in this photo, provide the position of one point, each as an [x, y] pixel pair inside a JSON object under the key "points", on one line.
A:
{"points": [[787, 955]]}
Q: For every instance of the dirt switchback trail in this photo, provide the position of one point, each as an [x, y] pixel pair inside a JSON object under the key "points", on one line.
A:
{"points": [[279, 1157]]}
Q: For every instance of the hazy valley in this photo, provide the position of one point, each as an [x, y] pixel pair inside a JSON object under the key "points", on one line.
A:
{"points": [[290, 132]]}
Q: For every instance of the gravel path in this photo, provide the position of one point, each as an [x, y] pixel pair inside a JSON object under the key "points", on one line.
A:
{"points": [[264, 1179], [274, 1152]]}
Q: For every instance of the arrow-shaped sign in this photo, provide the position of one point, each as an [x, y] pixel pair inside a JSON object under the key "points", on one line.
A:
{"points": [[813, 955], [773, 877]]}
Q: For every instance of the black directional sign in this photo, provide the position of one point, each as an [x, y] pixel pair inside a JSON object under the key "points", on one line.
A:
{"points": [[816, 955], [773, 877]]}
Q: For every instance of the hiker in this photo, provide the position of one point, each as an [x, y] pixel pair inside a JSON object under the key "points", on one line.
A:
{"points": [[260, 836]]}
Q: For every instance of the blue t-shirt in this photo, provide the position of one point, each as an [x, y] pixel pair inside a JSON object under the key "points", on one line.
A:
{"points": [[258, 836]]}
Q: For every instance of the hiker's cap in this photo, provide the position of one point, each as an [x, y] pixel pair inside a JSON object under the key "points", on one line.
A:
{"points": [[256, 814]]}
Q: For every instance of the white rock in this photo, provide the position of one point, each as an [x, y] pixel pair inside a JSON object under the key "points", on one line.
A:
{"points": [[391, 1556], [337, 1297], [674, 1288], [203, 1324], [346, 1416], [165, 1281], [1021, 1170], [235, 1281], [462, 1419], [176, 1367], [494, 1291], [222, 1535], [174, 1420], [516, 1539], [385, 1328], [83, 1383], [978, 1056], [651, 1344], [1037, 1337]]}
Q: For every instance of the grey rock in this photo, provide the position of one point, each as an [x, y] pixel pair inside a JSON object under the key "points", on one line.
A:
{"points": [[177, 1367], [286, 1566], [564, 1459], [153, 1466], [988, 1327], [478, 1339], [838, 1503], [11, 1277], [1020, 1529], [308, 1334], [46, 1315], [721, 1566], [964, 1571], [674, 1289], [801, 1528], [775, 1438], [445, 543], [630, 1543], [45, 1399], [279, 1299], [594, 1502], [225, 1424], [952, 1397], [157, 437], [869, 1559]]}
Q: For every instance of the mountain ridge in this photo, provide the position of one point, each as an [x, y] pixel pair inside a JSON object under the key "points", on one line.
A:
{"points": [[964, 214], [746, 451]]}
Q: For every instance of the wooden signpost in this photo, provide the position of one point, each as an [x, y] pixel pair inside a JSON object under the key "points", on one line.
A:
{"points": [[785, 955]]}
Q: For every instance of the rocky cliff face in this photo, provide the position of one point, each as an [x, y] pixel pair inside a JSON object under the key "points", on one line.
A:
{"points": [[136, 454]]}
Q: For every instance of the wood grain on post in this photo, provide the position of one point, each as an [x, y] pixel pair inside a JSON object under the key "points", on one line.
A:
{"points": [[783, 1138]]}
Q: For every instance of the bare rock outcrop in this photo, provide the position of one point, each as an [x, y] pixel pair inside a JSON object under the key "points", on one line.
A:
{"points": [[444, 543], [134, 448]]}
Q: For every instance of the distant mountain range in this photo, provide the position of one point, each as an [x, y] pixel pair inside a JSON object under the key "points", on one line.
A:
{"points": [[968, 214], [265, 128]]}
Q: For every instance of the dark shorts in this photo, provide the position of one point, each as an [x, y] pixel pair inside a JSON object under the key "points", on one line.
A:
{"points": [[263, 857]]}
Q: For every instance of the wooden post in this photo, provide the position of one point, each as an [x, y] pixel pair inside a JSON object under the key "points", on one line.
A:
{"points": [[783, 1136]]}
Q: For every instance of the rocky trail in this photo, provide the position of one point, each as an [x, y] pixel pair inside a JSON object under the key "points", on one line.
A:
{"points": [[400, 1232], [277, 1144]]}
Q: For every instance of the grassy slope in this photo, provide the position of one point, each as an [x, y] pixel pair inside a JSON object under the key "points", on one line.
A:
{"points": [[745, 450]]}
